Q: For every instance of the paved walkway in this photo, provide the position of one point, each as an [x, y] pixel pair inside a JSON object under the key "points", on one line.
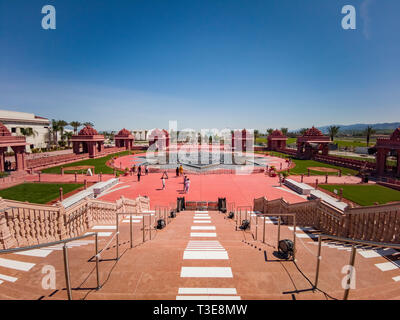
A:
{"points": [[199, 255]]}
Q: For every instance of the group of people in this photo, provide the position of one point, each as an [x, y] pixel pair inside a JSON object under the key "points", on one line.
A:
{"points": [[179, 171], [7, 165], [139, 170]]}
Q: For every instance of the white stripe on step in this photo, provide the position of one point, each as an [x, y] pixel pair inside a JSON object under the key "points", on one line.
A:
{"points": [[205, 255], [206, 272], [207, 291], [311, 229], [201, 212], [102, 234], [17, 265], [205, 218], [133, 221], [203, 234], [203, 228], [377, 253], [396, 278], [35, 253], [207, 297], [1, 281], [104, 228], [8, 278], [134, 217], [198, 221], [387, 266], [305, 235]]}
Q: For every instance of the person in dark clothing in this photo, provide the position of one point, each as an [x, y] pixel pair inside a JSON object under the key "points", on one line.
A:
{"points": [[140, 169], [177, 171], [138, 175]]}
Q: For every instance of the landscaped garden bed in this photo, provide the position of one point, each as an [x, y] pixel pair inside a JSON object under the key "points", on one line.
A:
{"points": [[38, 192], [365, 194]]}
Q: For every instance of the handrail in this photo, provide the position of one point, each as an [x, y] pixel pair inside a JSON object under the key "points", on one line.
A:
{"points": [[65, 256], [48, 244], [363, 242], [107, 245], [352, 255]]}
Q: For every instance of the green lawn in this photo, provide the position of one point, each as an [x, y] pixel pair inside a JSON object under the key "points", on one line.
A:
{"points": [[99, 164], [37, 192], [302, 165], [366, 195]]}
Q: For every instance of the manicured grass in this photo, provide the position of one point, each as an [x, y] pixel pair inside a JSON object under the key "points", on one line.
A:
{"points": [[302, 165], [99, 164], [37, 192], [366, 195], [291, 140]]}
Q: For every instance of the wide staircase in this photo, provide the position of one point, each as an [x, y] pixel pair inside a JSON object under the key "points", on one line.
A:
{"points": [[198, 255]]}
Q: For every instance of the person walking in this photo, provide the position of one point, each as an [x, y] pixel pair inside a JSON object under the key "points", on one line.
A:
{"points": [[163, 182], [177, 171], [146, 170], [180, 170], [187, 185], [138, 176]]}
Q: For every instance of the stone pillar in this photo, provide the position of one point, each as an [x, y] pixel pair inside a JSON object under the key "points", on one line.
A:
{"points": [[76, 147], [6, 239], [20, 163], [381, 161], [61, 195], [398, 164], [2, 158], [91, 149]]}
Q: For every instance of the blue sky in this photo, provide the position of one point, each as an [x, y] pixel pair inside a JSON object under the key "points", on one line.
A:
{"points": [[206, 64]]}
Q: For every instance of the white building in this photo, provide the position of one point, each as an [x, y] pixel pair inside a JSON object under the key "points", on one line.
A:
{"points": [[140, 135], [14, 121]]}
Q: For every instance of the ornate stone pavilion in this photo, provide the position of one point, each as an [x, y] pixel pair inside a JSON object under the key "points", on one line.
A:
{"points": [[242, 139], [124, 139], [160, 138], [88, 141], [311, 142], [276, 140], [385, 147], [17, 144]]}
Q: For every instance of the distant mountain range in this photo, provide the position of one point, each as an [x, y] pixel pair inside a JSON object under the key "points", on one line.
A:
{"points": [[361, 126]]}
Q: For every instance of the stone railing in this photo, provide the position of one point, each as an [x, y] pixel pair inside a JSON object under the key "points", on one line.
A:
{"points": [[50, 161], [375, 223], [24, 224]]}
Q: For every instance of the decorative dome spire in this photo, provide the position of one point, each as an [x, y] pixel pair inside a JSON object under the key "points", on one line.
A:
{"points": [[124, 132], [395, 135], [88, 131], [4, 131], [313, 132], [277, 133]]}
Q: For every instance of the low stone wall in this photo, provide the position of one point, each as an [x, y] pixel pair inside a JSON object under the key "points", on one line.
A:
{"points": [[23, 224], [375, 223]]}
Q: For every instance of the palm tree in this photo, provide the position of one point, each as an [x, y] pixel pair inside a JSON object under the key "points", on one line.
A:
{"points": [[269, 131], [75, 125], [284, 131], [369, 132], [333, 131], [68, 135], [88, 124], [302, 131], [62, 124], [55, 127]]}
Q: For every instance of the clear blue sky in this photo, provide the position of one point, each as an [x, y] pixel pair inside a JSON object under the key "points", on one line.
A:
{"points": [[207, 64]]}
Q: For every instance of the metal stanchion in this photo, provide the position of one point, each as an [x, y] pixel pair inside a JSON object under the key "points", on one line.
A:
{"points": [[294, 238], [66, 270], [256, 227], [352, 260], [279, 231], [264, 230], [318, 262], [150, 225], [143, 229], [97, 261], [131, 229], [117, 245]]}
